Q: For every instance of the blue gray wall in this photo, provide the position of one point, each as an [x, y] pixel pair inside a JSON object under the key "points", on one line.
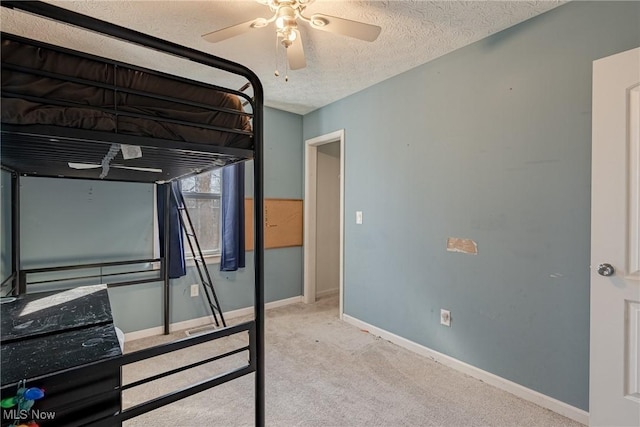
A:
{"points": [[491, 143], [71, 221], [77, 221], [5, 230]]}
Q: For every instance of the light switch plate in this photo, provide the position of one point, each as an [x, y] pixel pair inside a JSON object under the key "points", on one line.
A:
{"points": [[445, 317]]}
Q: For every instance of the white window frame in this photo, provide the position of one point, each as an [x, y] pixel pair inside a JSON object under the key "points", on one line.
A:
{"points": [[209, 255]]}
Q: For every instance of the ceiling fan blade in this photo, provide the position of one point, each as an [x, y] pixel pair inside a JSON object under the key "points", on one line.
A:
{"points": [[136, 168], [295, 53], [234, 30], [345, 27], [82, 166]]}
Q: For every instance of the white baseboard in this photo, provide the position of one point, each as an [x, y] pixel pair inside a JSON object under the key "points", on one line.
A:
{"points": [[327, 293], [206, 320], [533, 396]]}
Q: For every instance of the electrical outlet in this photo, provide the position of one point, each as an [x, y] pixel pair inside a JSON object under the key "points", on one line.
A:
{"points": [[445, 317], [195, 290]]}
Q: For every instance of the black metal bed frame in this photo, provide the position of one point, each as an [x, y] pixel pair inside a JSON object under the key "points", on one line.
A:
{"points": [[254, 328]]}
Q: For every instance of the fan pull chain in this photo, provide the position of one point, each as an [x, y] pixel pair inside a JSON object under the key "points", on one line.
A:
{"points": [[286, 67], [277, 73], [286, 62]]}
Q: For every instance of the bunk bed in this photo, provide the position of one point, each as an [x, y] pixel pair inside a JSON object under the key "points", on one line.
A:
{"points": [[75, 115]]}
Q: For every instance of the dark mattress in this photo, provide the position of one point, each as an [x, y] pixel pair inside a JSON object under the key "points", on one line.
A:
{"points": [[110, 97]]}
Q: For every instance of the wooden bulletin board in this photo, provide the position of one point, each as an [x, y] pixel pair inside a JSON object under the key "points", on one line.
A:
{"points": [[282, 223]]}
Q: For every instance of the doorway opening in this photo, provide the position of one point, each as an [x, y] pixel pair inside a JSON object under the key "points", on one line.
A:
{"points": [[324, 217]]}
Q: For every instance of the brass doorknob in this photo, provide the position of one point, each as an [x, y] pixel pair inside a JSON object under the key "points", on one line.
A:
{"points": [[606, 270]]}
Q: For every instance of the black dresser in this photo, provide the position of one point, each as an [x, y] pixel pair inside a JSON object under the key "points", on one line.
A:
{"points": [[64, 343]]}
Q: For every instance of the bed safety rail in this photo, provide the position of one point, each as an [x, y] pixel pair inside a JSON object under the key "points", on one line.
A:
{"points": [[198, 387], [116, 273]]}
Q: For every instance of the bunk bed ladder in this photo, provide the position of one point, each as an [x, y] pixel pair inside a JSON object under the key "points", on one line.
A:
{"points": [[198, 258]]}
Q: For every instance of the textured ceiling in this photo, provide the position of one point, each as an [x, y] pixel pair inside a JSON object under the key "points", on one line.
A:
{"points": [[413, 33]]}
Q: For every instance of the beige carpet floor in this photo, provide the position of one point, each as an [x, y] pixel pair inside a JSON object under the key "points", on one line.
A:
{"points": [[323, 372]]}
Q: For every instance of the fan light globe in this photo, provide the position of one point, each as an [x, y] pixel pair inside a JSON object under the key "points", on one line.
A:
{"points": [[288, 36], [286, 17]]}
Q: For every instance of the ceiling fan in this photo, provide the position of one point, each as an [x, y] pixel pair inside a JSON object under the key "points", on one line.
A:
{"points": [[81, 166], [128, 152], [286, 14]]}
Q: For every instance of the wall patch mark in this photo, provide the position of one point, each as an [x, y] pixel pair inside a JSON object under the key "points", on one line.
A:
{"points": [[465, 246]]}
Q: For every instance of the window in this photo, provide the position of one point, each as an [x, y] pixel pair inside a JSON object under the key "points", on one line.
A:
{"points": [[202, 199]]}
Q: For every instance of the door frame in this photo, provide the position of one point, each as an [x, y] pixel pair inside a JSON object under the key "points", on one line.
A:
{"points": [[310, 204]]}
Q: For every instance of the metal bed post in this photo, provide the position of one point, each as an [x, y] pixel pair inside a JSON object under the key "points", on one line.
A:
{"points": [[167, 258], [258, 170], [18, 284]]}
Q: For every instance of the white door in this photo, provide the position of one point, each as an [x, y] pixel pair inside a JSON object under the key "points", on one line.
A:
{"points": [[614, 390]]}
